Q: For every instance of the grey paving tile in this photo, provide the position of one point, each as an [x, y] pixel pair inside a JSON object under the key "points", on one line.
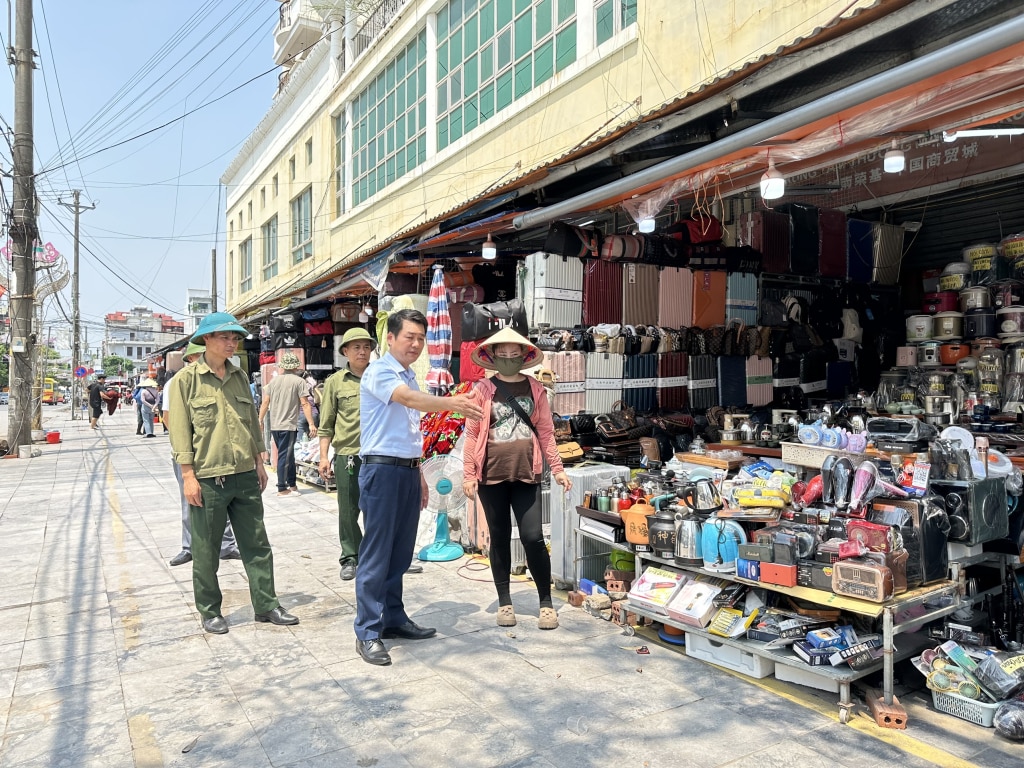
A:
{"points": [[217, 745], [784, 754], [64, 672], [289, 737], [14, 624], [83, 743], [101, 698], [52, 625], [371, 753], [46, 649]]}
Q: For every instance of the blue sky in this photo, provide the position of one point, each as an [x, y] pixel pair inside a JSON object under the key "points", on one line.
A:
{"points": [[114, 69]]}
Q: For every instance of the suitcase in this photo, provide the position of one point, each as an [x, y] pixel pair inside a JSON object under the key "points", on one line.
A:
{"points": [[553, 291], [675, 297], [604, 381], [708, 299], [477, 533], [832, 247], [566, 570], [732, 380], [741, 297], [838, 378], [602, 292], [570, 388], [805, 236], [759, 381], [860, 250], [639, 294], [640, 382], [703, 382], [887, 253], [767, 232], [672, 392]]}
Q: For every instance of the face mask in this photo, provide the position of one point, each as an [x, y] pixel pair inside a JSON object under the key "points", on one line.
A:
{"points": [[508, 366]]}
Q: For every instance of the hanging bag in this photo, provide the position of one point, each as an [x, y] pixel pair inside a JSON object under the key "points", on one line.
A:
{"points": [[482, 320]]}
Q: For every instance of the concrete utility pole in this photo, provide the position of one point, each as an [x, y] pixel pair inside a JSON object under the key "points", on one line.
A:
{"points": [[76, 358], [23, 234], [213, 289]]}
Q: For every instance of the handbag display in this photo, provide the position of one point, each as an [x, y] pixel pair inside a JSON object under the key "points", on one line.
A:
{"points": [[318, 328], [563, 429], [310, 315], [286, 322], [582, 424], [570, 452], [482, 320]]}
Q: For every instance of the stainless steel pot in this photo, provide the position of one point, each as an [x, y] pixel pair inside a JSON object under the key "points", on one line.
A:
{"points": [[1013, 358]]}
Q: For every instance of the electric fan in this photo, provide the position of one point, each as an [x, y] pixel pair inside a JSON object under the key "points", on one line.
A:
{"points": [[443, 475]]}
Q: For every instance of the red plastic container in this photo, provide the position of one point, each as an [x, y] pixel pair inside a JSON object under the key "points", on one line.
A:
{"points": [[53, 437], [941, 301]]}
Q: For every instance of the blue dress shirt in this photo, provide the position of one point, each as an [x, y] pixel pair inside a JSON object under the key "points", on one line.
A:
{"points": [[388, 428]]}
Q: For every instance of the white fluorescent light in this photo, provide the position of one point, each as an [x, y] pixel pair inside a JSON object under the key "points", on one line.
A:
{"points": [[646, 226], [773, 183], [950, 136], [490, 250], [895, 161]]}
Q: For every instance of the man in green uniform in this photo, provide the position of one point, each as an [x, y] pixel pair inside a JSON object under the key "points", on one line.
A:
{"points": [[215, 437], [339, 426]]}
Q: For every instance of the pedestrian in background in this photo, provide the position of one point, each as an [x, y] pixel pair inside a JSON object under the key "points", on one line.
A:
{"points": [[134, 398], [284, 398], [339, 428], [228, 547], [391, 489], [97, 397], [148, 400], [215, 435], [503, 459]]}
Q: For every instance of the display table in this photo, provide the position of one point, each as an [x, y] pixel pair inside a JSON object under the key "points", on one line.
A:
{"points": [[301, 473]]}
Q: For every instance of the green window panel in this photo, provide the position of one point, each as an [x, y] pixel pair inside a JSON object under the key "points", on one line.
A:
{"points": [[486, 22], [442, 62], [455, 13], [504, 49], [522, 5], [455, 50], [442, 132], [421, 149], [503, 95], [471, 40], [390, 170], [565, 47], [524, 77], [455, 86], [487, 102], [471, 114], [544, 62], [523, 35], [486, 63], [442, 22], [504, 12], [471, 80], [455, 124], [566, 8], [544, 20]]}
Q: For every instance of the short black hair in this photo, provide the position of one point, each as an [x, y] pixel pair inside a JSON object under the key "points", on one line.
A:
{"points": [[397, 320]]}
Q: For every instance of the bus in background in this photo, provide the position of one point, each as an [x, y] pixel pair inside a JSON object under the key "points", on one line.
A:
{"points": [[53, 394]]}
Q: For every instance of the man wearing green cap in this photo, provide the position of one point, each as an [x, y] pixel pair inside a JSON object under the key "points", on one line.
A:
{"points": [[216, 438], [339, 427], [228, 548]]}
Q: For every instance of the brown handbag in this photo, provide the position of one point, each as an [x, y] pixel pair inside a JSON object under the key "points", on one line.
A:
{"points": [[570, 452]]}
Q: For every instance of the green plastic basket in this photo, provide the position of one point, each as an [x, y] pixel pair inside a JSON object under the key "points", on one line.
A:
{"points": [[977, 712]]}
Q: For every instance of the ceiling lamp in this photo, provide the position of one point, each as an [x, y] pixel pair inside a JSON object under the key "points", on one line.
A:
{"points": [[951, 136], [490, 250], [773, 183], [895, 161], [646, 226], [368, 310]]}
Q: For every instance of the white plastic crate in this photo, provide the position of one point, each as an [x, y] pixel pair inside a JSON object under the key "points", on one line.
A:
{"points": [[806, 677], [728, 656], [977, 712]]}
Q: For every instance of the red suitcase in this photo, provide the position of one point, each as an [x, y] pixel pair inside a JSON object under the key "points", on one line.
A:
{"points": [[831, 243], [673, 394], [602, 292], [768, 233]]}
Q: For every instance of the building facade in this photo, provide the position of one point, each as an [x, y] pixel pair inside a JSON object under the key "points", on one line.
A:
{"points": [[138, 333], [198, 304], [387, 120]]}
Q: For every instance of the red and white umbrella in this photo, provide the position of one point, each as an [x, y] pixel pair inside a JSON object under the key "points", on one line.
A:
{"points": [[439, 336]]}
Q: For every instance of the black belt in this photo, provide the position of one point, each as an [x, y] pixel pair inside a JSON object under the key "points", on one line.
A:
{"points": [[393, 460]]}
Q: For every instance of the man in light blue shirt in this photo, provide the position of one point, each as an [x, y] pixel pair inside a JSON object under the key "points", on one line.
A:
{"points": [[390, 488]]}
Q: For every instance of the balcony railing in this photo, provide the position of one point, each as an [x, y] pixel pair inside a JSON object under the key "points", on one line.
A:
{"points": [[286, 15], [375, 23]]}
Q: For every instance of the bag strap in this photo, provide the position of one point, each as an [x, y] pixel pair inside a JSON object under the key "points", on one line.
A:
{"points": [[512, 403]]}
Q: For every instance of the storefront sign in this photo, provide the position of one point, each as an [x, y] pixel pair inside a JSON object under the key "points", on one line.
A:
{"points": [[639, 383]]}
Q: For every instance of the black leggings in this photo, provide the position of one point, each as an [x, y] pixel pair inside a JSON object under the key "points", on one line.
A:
{"points": [[524, 501]]}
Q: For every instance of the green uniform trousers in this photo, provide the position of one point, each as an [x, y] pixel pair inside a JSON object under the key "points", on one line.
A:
{"points": [[350, 535], [236, 498]]}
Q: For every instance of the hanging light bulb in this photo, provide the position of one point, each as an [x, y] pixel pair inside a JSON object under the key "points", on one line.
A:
{"points": [[773, 183], [490, 250], [895, 161], [646, 226], [368, 310], [363, 317]]}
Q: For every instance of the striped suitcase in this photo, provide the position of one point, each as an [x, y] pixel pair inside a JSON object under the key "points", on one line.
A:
{"points": [[640, 382], [741, 297], [672, 379], [639, 294], [732, 381], [553, 291], [604, 381], [602, 292], [888, 253], [831, 243], [708, 299], [570, 389], [768, 233], [860, 250], [703, 382], [675, 297], [759, 381]]}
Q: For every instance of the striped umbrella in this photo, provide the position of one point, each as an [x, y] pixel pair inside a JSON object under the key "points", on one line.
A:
{"points": [[439, 336]]}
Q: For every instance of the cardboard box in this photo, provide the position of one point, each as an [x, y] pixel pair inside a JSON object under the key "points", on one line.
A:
{"points": [[762, 553], [655, 588], [774, 573], [694, 603], [815, 657], [748, 569]]}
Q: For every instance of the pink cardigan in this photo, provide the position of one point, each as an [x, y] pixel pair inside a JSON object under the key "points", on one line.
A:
{"points": [[475, 450]]}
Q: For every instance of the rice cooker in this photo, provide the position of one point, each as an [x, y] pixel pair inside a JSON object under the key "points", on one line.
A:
{"points": [[940, 301], [1008, 293], [1013, 358], [952, 352], [984, 262], [928, 354], [1010, 321], [906, 357], [978, 322], [919, 327], [974, 297], [955, 276], [947, 326], [980, 345], [1012, 246]]}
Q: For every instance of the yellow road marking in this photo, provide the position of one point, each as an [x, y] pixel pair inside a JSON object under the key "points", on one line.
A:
{"points": [[130, 621], [145, 750]]}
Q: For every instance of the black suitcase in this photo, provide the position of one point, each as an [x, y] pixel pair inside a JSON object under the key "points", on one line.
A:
{"points": [[805, 242]]}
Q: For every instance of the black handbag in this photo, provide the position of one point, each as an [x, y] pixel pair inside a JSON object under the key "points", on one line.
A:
{"points": [[482, 320], [288, 340], [286, 322], [582, 424]]}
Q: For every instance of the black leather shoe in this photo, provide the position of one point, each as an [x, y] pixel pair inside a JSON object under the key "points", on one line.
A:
{"points": [[348, 571], [373, 652], [215, 625], [414, 568], [234, 554], [181, 558], [278, 616], [410, 631]]}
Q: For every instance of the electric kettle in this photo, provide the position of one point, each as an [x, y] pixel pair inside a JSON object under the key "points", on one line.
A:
{"points": [[701, 496], [720, 544], [688, 532]]}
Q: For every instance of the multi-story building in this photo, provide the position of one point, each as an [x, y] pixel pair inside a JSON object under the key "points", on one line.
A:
{"points": [[138, 333], [396, 122], [198, 304]]}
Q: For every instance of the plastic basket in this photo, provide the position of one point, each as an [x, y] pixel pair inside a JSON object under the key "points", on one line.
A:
{"points": [[967, 709]]}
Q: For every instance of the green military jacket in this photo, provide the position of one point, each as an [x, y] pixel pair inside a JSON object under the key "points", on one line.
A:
{"points": [[215, 427], [339, 412]]}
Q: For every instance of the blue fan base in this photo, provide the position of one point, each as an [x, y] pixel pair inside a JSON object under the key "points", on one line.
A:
{"points": [[441, 553]]}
